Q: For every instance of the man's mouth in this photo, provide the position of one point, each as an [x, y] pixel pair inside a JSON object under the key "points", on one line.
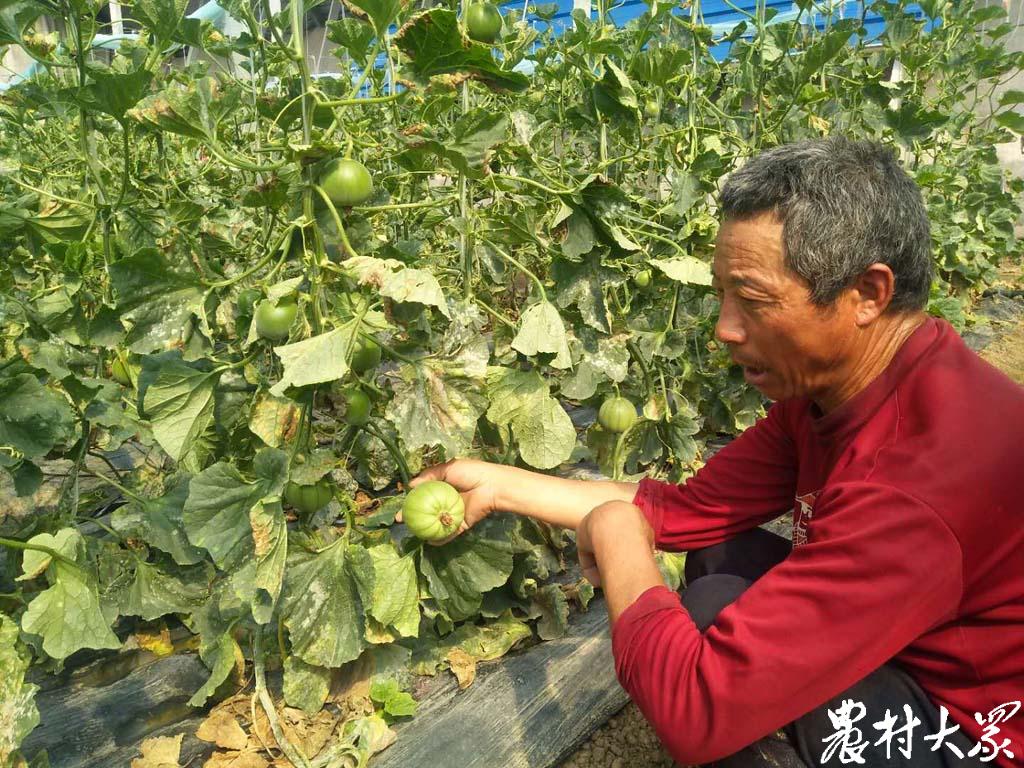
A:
{"points": [[752, 373]]}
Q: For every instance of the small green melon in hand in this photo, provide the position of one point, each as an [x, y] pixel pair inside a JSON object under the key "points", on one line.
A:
{"points": [[433, 510]]}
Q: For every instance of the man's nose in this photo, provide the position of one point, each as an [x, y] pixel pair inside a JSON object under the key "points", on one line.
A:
{"points": [[729, 328]]}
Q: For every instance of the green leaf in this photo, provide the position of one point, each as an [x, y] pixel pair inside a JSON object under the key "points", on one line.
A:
{"points": [[541, 330], [827, 47], [553, 609], [1012, 120], [584, 284], [393, 597], [354, 37], [459, 572], [159, 590], [437, 400], [67, 616], [473, 138], [436, 46], [216, 514], [270, 537], [607, 206], [542, 427], [162, 17], [679, 432], [34, 563], [179, 404], [1010, 97], [614, 93], [389, 694], [196, 110], [33, 419], [305, 686], [18, 713], [316, 360], [672, 566], [15, 18], [381, 13], [220, 657], [604, 358], [685, 269], [114, 93], [159, 523], [321, 606], [27, 478], [155, 299]]}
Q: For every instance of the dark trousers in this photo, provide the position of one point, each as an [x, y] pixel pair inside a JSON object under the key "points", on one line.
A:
{"points": [[716, 576]]}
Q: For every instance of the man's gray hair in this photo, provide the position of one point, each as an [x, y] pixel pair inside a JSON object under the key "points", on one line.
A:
{"points": [[844, 205]]}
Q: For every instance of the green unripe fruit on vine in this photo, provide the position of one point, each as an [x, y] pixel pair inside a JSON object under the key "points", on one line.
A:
{"points": [[246, 301], [357, 407], [119, 370], [274, 321], [483, 22], [652, 109], [617, 414], [365, 356], [642, 279], [433, 510], [308, 499], [346, 182]]}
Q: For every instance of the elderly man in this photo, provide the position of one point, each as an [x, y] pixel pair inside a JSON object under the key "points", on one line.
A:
{"points": [[891, 631]]}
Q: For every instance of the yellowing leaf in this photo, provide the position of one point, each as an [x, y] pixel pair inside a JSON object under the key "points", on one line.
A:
{"points": [[223, 729], [161, 752], [463, 666]]}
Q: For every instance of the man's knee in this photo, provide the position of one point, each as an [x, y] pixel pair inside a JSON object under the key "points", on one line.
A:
{"points": [[750, 554], [887, 689], [708, 595]]}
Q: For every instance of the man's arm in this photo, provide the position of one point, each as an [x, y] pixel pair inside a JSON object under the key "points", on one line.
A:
{"points": [[556, 500], [806, 631]]}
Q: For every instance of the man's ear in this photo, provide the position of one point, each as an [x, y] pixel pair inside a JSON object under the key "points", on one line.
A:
{"points": [[873, 292]]}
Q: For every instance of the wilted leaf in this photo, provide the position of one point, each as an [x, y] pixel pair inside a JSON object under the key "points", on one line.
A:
{"points": [[541, 330], [222, 728], [160, 752]]}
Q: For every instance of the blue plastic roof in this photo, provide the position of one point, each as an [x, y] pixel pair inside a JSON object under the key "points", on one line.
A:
{"points": [[722, 18]]}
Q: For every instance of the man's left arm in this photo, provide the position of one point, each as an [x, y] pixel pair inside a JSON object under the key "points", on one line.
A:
{"points": [[809, 629]]}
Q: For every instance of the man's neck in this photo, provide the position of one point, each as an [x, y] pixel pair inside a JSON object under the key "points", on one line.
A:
{"points": [[878, 347]]}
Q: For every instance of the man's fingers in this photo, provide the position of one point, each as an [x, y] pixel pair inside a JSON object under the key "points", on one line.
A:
{"points": [[436, 472], [462, 529]]}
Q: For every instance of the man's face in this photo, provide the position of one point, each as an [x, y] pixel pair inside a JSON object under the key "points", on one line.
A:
{"points": [[788, 347]]}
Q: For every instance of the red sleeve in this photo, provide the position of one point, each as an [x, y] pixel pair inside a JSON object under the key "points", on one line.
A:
{"points": [[881, 569], [750, 481]]}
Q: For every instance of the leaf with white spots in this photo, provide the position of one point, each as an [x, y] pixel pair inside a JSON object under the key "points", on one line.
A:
{"points": [[541, 330], [321, 605]]}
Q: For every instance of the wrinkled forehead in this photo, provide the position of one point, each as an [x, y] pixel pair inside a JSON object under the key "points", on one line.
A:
{"points": [[749, 245]]}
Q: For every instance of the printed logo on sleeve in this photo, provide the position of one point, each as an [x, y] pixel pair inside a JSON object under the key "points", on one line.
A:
{"points": [[803, 511]]}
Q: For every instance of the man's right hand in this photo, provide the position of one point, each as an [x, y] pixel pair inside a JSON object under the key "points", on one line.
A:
{"points": [[476, 481]]}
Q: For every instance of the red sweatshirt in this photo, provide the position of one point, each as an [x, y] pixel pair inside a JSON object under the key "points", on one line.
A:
{"points": [[908, 529]]}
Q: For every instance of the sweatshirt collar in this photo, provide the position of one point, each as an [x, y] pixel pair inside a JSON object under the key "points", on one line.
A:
{"points": [[859, 408]]}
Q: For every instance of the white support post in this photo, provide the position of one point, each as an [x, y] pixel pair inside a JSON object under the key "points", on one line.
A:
{"points": [[116, 25]]}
